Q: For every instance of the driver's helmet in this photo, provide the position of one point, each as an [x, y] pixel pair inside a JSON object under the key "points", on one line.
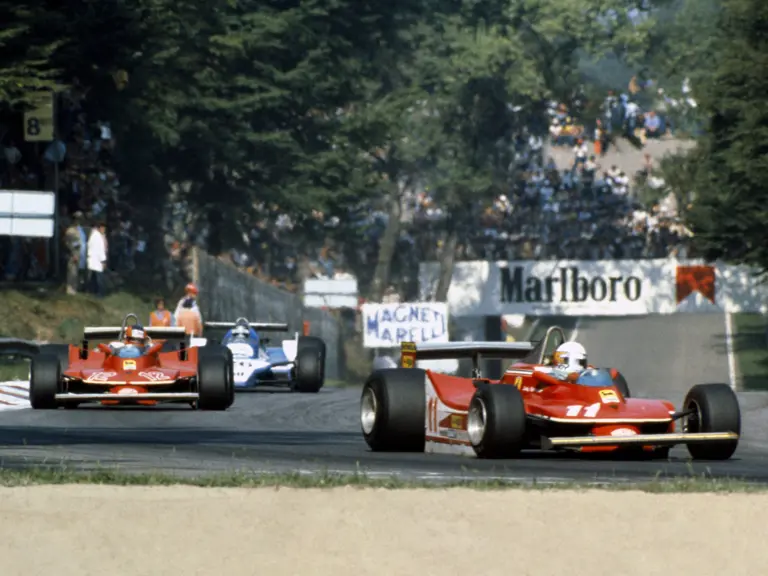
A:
{"points": [[135, 336], [571, 355], [240, 333]]}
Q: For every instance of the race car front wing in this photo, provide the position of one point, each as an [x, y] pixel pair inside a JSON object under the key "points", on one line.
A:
{"points": [[637, 439], [139, 396]]}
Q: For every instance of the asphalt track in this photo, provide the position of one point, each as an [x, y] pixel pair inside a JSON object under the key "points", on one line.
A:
{"points": [[279, 432]]}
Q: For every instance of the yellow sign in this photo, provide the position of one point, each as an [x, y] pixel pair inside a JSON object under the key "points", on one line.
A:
{"points": [[457, 422], [609, 396], [407, 354], [129, 364], [519, 382], [38, 122]]}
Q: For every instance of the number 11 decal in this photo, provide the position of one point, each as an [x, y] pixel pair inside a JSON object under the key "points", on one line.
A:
{"points": [[589, 411]]}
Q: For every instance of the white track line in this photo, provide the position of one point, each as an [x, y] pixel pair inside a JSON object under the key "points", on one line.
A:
{"points": [[729, 350]]}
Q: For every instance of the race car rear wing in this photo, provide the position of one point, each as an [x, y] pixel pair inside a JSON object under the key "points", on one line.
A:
{"points": [[261, 326], [410, 352], [154, 332]]}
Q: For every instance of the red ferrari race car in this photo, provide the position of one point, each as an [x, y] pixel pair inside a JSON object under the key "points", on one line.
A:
{"points": [[132, 369], [537, 406]]}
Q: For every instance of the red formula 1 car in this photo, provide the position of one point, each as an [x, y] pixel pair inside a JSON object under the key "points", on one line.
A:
{"points": [[129, 374], [534, 407]]}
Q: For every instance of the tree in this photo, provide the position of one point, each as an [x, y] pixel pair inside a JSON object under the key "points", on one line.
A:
{"points": [[731, 206], [495, 64], [27, 43]]}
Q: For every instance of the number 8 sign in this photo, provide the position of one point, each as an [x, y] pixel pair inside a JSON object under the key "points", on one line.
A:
{"points": [[38, 122]]}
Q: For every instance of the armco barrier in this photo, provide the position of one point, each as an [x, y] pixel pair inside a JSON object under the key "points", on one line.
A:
{"points": [[597, 288], [226, 294]]}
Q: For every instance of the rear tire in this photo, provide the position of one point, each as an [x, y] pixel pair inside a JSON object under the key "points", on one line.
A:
{"points": [[214, 382], [310, 365], [226, 353], [393, 410], [44, 382], [496, 421], [716, 410]]}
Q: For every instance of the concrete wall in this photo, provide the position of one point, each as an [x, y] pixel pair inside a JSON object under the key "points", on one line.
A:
{"points": [[226, 293]]}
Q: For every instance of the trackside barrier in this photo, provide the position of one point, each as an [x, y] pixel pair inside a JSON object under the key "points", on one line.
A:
{"points": [[228, 293]]}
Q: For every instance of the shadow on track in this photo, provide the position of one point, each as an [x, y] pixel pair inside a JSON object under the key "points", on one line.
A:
{"points": [[30, 437]]}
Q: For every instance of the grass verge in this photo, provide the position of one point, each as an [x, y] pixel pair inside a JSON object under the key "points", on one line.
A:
{"points": [[51, 315], [13, 369], [750, 346], [47, 476]]}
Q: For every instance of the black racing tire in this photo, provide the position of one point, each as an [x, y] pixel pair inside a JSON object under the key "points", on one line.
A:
{"points": [[44, 382], [310, 365], [392, 410], [214, 382], [61, 351], [226, 353], [716, 409], [496, 421], [621, 384]]}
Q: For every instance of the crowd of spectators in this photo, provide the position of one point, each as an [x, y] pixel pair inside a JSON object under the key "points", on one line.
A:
{"points": [[585, 211], [79, 163]]}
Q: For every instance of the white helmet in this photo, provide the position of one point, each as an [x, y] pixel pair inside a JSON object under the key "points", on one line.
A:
{"points": [[240, 333], [571, 354]]}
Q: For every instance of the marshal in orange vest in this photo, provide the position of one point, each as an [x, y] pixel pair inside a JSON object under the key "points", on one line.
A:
{"points": [[161, 316]]}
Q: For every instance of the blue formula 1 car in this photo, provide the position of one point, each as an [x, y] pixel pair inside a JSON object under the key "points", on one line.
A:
{"points": [[298, 363]]}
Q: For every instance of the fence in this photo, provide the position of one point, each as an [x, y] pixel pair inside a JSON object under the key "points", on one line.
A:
{"points": [[227, 293]]}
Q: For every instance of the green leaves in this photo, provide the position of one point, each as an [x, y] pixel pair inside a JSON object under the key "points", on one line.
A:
{"points": [[731, 166]]}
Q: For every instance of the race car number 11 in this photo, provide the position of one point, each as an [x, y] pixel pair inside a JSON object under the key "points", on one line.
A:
{"points": [[589, 411], [154, 376]]}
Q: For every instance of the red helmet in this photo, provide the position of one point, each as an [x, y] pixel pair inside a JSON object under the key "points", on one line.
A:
{"points": [[191, 289]]}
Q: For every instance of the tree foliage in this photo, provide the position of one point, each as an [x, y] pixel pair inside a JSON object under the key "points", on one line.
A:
{"points": [[731, 160], [318, 104]]}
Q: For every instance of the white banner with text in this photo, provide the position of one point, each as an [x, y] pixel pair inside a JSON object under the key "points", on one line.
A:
{"points": [[387, 325], [597, 288]]}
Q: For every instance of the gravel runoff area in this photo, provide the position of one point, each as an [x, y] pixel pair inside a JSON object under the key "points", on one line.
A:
{"points": [[82, 530]]}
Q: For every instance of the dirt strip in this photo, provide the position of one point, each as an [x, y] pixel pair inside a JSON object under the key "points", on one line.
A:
{"points": [[158, 531]]}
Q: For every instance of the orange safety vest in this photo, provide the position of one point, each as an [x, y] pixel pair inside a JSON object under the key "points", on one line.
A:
{"points": [[160, 318]]}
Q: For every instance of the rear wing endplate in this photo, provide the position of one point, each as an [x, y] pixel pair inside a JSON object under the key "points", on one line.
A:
{"points": [[410, 352], [154, 332]]}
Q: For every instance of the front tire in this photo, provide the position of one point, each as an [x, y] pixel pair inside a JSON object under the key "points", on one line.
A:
{"points": [[214, 384], [715, 409], [496, 421], [393, 409], [310, 365], [44, 382], [60, 351]]}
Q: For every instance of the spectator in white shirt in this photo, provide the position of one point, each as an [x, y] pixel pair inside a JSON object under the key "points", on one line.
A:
{"points": [[97, 258], [632, 110]]}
